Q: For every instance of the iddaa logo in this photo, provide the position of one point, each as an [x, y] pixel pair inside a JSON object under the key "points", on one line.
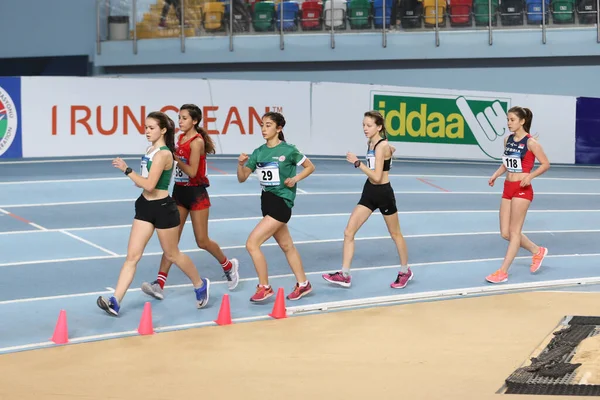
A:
{"points": [[445, 119]]}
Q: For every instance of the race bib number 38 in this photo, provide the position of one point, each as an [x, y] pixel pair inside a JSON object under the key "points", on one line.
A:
{"points": [[512, 164], [180, 176], [268, 173]]}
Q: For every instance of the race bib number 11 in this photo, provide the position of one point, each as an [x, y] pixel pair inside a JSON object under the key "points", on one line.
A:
{"points": [[144, 167]]}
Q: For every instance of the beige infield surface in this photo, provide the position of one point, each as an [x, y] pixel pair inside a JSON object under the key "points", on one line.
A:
{"points": [[456, 349]]}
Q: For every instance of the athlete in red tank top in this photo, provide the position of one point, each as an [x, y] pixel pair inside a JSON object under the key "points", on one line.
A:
{"points": [[191, 196], [520, 152], [184, 151]]}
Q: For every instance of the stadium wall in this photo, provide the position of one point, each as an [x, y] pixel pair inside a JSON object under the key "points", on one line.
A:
{"points": [[565, 76]]}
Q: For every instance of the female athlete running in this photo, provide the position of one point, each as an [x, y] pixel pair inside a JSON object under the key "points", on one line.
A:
{"points": [[275, 163], [191, 196], [520, 152], [154, 209], [377, 194]]}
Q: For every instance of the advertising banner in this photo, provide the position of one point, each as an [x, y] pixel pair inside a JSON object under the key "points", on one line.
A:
{"points": [[67, 116], [103, 116], [439, 123]]}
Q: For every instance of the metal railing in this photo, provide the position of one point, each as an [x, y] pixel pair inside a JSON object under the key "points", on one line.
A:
{"points": [[335, 13]]}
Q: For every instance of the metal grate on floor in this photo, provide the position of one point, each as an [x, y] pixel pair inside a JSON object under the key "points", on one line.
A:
{"points": [[555, 360]]}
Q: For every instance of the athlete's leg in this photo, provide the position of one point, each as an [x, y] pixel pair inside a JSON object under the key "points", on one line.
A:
{"points": [[525, 243], [200, 225], [518, 212], [156, 288], [286, 243], [405, 275], [265, 229], [393, 224], [359, 216], [169, 239], [141, 232], [165, 264]]}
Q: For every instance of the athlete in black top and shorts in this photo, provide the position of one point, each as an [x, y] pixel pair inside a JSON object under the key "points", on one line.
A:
{"points": [[377, 194]]}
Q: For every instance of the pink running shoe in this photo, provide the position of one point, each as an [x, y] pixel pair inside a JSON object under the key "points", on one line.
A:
{"points": [[402, 280], [536, 262], [299, 291], [262, 293], [338, 278], [497, 277]]}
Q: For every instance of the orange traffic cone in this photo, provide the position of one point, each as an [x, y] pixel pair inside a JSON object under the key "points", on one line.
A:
{"points": [[279, 306], [61, 332], [145, 327], [224, 317]]}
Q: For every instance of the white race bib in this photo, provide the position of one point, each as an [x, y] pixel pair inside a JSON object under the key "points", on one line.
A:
{"points": [[268, 173], [180, 176], [371, 160], [144, 167], [512, 164]]}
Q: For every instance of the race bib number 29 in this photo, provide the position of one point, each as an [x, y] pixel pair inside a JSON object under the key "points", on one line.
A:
{"points": [[268, 173]]}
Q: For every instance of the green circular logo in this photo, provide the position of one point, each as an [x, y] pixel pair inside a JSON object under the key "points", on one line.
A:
{"points": [[8, 121]]}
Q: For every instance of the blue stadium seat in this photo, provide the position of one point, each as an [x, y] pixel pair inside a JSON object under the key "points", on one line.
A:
{"points": [[534, 11], [378, 13], [291, 13]]}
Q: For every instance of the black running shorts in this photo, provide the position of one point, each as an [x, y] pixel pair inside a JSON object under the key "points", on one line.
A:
{"points": [[161, 213]]}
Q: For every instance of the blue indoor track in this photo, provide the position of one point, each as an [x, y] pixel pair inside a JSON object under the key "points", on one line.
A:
{"points": [[64, 227]]}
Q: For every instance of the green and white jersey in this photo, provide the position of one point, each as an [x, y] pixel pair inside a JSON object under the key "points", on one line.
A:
{"points": [[146, 165], [273, 165]]}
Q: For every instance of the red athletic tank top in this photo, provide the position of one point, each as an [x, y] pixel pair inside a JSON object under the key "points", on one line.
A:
{"points": [[517, 156], [183, 151]]}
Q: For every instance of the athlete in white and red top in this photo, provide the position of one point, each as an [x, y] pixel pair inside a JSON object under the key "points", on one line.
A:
{"points": [[191, 196], [520, 152]]}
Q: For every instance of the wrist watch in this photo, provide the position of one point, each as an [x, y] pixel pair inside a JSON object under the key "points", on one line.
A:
{"points": [[356, 163], [128, 171]]}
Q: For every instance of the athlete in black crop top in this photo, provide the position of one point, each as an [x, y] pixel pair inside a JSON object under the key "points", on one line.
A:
{"points": [[377, 194]]}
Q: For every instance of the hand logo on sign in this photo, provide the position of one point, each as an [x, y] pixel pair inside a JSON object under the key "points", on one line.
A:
{"points": [[488, 126]]}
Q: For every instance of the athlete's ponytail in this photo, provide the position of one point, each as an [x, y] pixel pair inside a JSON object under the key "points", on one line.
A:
{"points": [[279, 121], [523, 113], [196, 115], [170, 135]]}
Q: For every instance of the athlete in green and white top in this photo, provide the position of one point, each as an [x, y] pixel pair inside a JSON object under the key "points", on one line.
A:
{"points": [[275, 164], [165, 177], [154, 210]]}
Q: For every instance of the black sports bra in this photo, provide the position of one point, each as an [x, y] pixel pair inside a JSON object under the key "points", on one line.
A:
{"points": [[387, 164]]}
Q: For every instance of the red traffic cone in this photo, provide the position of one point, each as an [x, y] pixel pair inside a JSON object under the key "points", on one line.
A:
{"points": [[279, 306], [61, 332], [145, 327], [224, 317]]}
